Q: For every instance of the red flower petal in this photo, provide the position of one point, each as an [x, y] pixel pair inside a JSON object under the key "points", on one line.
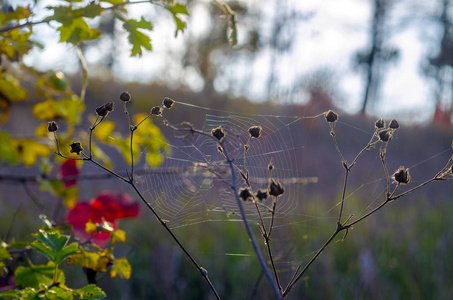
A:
{"points": [[69, 172], [108, 206], [79, 216], [113, 206]]}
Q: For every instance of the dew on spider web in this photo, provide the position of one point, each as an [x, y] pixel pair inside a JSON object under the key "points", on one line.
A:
{"points": [[193, 185]]}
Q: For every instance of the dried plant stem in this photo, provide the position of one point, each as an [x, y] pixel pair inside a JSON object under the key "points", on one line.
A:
{"points": [[229, 161], [258, 254], [318, 253], [344, 193], [130, 181], [202, 270]]}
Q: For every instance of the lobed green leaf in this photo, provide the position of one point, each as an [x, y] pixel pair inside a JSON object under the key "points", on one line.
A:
{"points": [[90, 292]]}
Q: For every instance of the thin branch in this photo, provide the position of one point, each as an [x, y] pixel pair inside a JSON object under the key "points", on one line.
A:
{"points": [[318, 253], [347, 170], [202, 271], [258, 254], [260, 257], [6, 29]]}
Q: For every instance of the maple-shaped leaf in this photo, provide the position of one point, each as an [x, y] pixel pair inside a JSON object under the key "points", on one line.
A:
{"points": [[74, 28], [53, 245], [176, 9], [136, 38]]}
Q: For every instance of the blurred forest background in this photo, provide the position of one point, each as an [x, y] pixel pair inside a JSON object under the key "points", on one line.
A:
{"points": [[276, 68]]}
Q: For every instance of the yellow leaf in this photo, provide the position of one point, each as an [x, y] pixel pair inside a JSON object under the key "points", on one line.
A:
{"points": [[70, 196], [121, 267], [46, 110], [154, 158], [91, 227], [118, 236], [85, 259], [29, 150], [41, 131], [104, 130]]}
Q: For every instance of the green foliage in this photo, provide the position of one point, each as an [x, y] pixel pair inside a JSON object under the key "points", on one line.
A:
{"points": [[177, 9], [147, 137], [35, 276], [53, 246], [89, 292], [136, 38], [47, 281], [74, 28], [53, 99]]}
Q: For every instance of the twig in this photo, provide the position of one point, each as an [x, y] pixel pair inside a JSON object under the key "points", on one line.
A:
{"points": [[130, 181], [229, 161]]}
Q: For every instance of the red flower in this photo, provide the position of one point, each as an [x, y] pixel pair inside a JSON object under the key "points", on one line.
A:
{"points": [[69, 173], [107, 206]]}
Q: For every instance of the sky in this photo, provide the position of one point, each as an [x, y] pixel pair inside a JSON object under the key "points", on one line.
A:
{"points": [[327, 40]]}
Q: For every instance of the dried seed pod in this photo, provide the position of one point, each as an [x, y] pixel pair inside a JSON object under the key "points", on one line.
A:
{"points": [[275, 189], [255, 131], [102, 111], [402, 175], [168, 102], [331, 116], [218, 133], [52, 126], [394, 124], [109, 106], [125, 97], [156, 110], [380, 123], [76, 148], [385, 135], [262, 195], [245, 194]]}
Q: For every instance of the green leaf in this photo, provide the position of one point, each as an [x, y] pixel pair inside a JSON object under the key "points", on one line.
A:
{"points": [[77, 31], [136, 38], [30, 294], [52, 245], [4, 254], [46, 222], [143, 24], [12, 294], [121, 267], [66, 14], [19, 14], [176, 9], [90, 292], [64, 253], [43, 249], [59, 293], [35, 275], [7, 149]]}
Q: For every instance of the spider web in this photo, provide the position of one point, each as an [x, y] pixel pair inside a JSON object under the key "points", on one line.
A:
{"points": [[193, 185]]}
